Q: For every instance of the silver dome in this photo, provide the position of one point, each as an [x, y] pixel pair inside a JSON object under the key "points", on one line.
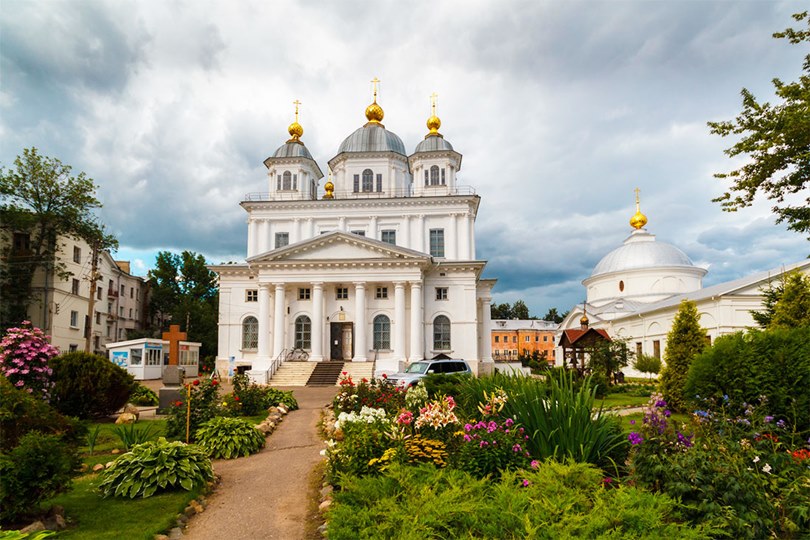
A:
{"points": [[433, 144], [372, 138], [640, 250], [292, 149]]}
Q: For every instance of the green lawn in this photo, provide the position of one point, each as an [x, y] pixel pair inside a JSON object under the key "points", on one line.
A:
{"points": [[623, 400], [678, 418]]}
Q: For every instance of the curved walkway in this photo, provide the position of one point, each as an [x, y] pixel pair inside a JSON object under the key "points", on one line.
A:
{"points": [[266, 495]]}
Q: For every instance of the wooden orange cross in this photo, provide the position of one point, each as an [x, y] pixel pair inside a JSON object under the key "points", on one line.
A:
{"points": [[174, 336]]}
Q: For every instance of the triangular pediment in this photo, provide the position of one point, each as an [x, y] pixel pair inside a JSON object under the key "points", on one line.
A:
{"points": [[339, 246]]}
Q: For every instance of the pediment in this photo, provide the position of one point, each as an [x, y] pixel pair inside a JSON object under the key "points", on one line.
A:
{"points": [[339, 246]]}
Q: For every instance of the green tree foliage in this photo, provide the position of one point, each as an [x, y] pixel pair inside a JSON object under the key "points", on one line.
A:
{"points": [[606, 358], [646, 363], [554, 316], [519, 310], [41, 199], [770, 295], [185, 292], [776, 141], [772, 363], [686, 340], [792, 309]]}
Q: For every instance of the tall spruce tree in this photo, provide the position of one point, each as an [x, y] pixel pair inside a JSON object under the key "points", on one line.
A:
{"points": [[792, 308], [686, 340]]}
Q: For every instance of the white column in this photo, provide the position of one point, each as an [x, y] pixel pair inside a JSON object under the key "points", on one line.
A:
{"points": [[268, 240], [486, 329], [252, 238], [451, 242], [464, 240], [263, 351], [341, 223], [317, 323], [471, 219], [360, 340], [372, 228], [278, 319], [262, 241], [310, 228], [417, 323], [399, 321], [296, 231], [419, 231], [406, 233]]}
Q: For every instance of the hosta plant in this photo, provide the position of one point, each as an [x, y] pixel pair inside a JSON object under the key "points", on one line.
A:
{"points": [[156, 466], [229, 438]]}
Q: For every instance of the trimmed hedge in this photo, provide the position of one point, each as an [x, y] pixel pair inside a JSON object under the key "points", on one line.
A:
{"points": [[89, 386]]}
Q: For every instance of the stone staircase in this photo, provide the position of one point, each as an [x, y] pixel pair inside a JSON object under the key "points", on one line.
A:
{"points": [[293, 374], [325, 374], [358, 371]]}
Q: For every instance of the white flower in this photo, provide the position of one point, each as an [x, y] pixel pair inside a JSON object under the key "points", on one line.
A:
{"points": [[766, 469], [756, 459]]}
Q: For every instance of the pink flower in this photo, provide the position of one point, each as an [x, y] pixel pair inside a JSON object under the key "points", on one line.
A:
{"points": [[535, 464], [525, 483]]}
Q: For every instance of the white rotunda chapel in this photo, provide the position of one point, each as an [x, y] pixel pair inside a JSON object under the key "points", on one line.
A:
{"points": [[380, 268]]}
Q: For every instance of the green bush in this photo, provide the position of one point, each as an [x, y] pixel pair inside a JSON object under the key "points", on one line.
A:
{"points": [[275, 397], [21, 412], [205, 405], [554, 501], [38, 468], [362, 441], [143, 396], [156, 466], [773, 363], [470, 390], [441, 384], [132, 434], [88, 385], [353, 396], [229, 438]]}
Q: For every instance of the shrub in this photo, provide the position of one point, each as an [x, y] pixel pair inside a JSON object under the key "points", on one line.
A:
{"points": [[205, 405], [37, 469], [411, 503], [685, 341], [251, 396], [442, 384], [143, 396], [25, 356], [774, 363], [21, 412], [229, 438], [374, 393], [132, 434], [156, 466], [275, 397], [473, 389], [647, 363], [363, 437], [89, 386], [490, 447]]}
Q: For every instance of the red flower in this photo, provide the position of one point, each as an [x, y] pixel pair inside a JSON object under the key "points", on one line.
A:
{"points": [[214, 382], [196, 382], [178, 403], [384, 376], [236, 398], [801, 455]]}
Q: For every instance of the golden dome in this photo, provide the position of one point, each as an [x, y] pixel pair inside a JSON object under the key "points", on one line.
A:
{"points": [[295, 130], [584, 319], [433, 124], [329, 187], [374, 113], [638, 220]]}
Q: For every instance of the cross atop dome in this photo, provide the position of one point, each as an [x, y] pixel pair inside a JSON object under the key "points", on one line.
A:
{"points": [[433, 123], [374, 112], [638, 220], [295, 130]]}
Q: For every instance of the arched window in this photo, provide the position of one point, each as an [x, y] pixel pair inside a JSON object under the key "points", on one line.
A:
{"points": [[434, 175], [287, 183], [368, 180], [382, 332], [250, 333], [441, 333], [303, 333]]}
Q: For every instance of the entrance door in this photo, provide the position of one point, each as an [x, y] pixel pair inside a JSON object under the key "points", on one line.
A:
{"points": [[341, 342]]}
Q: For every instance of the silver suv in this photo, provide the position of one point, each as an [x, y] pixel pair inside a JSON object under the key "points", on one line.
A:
{"points": [[421, 368]]}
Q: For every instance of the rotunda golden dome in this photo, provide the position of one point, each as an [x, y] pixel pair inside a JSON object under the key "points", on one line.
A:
{"points": [[295, 130], [433, 124], [638, 220], [374, 113]]}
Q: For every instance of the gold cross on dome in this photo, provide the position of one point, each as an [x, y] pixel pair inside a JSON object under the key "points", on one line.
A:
{"points": [[374, 82], [433, 99], [296, 103], [637, 199]]}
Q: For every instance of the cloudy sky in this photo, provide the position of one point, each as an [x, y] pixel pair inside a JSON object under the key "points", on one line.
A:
{"points": [[560, 108]]}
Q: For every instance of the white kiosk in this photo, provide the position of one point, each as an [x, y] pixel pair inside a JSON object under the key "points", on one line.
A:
{"points": [[145, 358]]}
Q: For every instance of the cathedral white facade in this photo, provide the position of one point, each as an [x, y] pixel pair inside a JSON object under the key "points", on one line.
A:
{"points": [[635, 291], [380, 267]]}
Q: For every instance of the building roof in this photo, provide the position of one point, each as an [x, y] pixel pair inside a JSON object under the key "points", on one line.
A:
{"points": [[506, 325], [292, 149], [639, 251], [575, 334], [433, 143], [372, 137]]}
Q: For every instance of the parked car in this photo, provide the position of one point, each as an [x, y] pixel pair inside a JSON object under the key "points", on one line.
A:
{"points": [[422, 368]]}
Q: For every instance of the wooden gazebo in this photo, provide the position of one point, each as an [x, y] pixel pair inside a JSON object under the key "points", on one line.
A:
{"points": [[576, 343]]}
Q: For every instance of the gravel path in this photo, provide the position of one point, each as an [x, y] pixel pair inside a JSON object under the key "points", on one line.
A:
{"points": [[266, 495]]}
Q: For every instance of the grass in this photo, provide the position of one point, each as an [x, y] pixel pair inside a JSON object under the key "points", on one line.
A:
{"points": [[678, 418], [623, 400], [90, 517]]}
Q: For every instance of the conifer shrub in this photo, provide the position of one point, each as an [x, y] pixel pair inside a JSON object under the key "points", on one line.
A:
{"points": [[685, 341], [154, 467], [229, 438], [89, 386], [38, 468]]}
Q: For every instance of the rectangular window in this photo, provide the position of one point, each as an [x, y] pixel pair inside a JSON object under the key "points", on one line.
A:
{"points": [[252, 295], [132, 292], [135, 357], [379, 182], [427, 178], [278, 183], [99, 292], [389, 236], [443, 177], [437, 242], [638, 349], [98, 317], [22, 242], [123, 290], [342, 293], [514, 339], [304, 293], [359, 233], [74, 319], [75, 288], [382, 292], [295, 182], [497, 339], [708, 340], [109, 331], [282, 239], [441, 293], [109, 308], [77, 254], [130, 313], [121, 334], [73, 347], [356, 183], [121, 312], [657, 349], [527, 339]]}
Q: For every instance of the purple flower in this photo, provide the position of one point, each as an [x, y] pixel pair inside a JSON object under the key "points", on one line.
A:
{"points": [[684, 440], [768, 419], [534, 464], [781, 423], [508, 422], [635, 438], [632, 422], [661, 403], [516, 448]]}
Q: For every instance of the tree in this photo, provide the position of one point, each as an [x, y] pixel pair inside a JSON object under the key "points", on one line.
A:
{"points": [[520, 310], [501, 311], [41, 200], [185, 292], [776, 139], [608, 357], [646, 363], [554, 316], [792, 309], [685, 340]]}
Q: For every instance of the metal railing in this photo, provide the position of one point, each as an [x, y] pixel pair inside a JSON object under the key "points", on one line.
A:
{"points": [[426, 191]]}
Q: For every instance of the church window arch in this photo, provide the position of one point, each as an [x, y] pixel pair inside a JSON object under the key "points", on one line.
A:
{"points": [[441, 333], [382, 332], [250, 333], [434, 175], [303, 333], [621, 285], [368, 180], [286, 180]]}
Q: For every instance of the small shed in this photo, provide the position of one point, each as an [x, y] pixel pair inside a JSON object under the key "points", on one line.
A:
{"points": [[143, 358]]}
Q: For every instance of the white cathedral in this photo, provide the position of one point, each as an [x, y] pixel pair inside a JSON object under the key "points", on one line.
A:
{"points": [[380, 268]]}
